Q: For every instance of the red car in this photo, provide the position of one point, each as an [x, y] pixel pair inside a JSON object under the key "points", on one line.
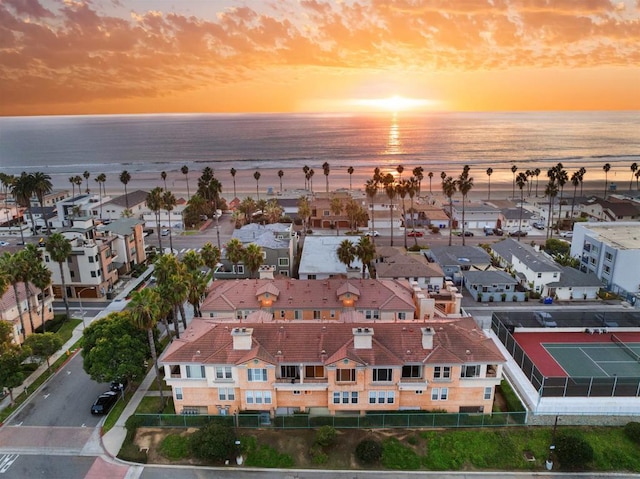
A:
{"points": [[415, 234]]}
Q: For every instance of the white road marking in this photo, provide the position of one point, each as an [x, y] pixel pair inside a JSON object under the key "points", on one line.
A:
{"points": [[6, 461], [46, 395]]}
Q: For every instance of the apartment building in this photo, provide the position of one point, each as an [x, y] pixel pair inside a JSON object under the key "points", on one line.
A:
{"points": [[332, 367], [29, 306]]}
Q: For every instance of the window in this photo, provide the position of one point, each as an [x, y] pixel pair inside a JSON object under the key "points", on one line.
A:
{"points": [[382, 397], [470, 371], [282, 314], [240, 269], [332, 313], [257, 374], [314, 372], [91, 260], [414, 371], [178, 393], [402, 315], [607, 270], [297, 314], [382, 374], [442, 372], [258, 397], [223, 372], [195, 372], [284, 262], [539, 275], [345, 397], [608, 256], [289, 372], [372, 314], [444, 394], [346, 375], [226, 394], [311, 276], [439, 394], [93, 274], [317, 314], [487, 393]]}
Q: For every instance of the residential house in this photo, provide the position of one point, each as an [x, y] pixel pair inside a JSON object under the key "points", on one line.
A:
{"points": [[611, 251], [332, 368], [612, 209], [279, 245], [129, 244], [573, 285], [319, 259], [493, 286], [72, 207], [321, 214], [534, 268], [395, 264], [137, 204], [383, 213], [511, 219], [30, 305], [427, 214], [454, 260], [476, 215]]}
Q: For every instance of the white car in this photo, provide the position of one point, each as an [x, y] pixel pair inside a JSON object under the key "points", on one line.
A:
{"points": [[545, 319], [372, 233], [567, 234], [4, 243], [165, 232]]}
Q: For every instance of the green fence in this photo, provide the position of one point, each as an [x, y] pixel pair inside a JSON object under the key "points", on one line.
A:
{"points": [[412, 420]]}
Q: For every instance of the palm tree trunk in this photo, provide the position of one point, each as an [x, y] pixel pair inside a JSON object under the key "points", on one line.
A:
{"points": [[451, 220], [159, 235], [154, 358], [183, 315], [30, 303], [19, 304], [64, 291], [463, 228], [176, 323], [44, 328]]}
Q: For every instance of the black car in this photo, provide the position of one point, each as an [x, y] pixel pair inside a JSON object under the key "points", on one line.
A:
{"points": [[466, 233], [518, 233], [498, 231], [104, 403], [118, 386]]}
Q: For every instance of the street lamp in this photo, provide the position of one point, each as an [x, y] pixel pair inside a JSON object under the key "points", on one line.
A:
{"points": [[79, 295]]}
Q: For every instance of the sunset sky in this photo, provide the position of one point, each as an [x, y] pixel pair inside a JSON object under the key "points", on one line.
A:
{"points": [[223, 56]]}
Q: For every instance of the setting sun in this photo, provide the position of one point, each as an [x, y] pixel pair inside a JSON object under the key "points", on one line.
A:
{"points": [[394, 103]]}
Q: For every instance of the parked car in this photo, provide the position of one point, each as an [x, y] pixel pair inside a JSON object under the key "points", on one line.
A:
{"points": [[545, 319], [488, 231], [466, 233], [372, 233], [567, 234], [104, 403], [415, 234], [165, 232], [118, 386], [498, 231], [538, 225], [518, 233], [4, 243]]}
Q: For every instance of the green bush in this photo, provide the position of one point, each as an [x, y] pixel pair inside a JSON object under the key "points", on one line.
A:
{"points": [[369, 451], [326, 436], [318, 456], [214, 442], [513, 402], [174, 447], [573, 451], [396, 455], [632, 431]]}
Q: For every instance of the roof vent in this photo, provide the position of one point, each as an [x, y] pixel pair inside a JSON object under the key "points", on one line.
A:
{"points": [[468, 351]]}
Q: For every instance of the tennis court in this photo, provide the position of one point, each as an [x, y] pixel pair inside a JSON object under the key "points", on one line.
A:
{"points": [[603, 359]]}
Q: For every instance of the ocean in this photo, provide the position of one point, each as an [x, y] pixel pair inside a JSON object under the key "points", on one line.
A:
{"points": [[438, 141]]}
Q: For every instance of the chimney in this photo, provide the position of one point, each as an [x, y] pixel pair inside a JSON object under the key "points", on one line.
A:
{"points": [[241, 338], [362, 338], [427, 337]]}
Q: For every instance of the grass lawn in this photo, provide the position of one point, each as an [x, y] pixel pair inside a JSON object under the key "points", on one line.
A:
{"points": [[151, 405]]}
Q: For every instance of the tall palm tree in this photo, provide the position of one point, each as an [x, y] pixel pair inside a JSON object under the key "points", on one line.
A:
{"points": [[32, 255], [305, 172], [172, 285], [59, 249], [78, 181], [326, 170], [489, 173], [163, 175], [634, 168], [575, 181], [41, 279], [402, 190], [125, 178], [7, 181], [366, 251], [390, 189], [233, 172], [430, 175], [514, 168], [582, 172], [42, 186], [101, 179], [86, 176], [536, 173], [418, 173], [169, 203], [210, 256], [155, 203], [464, 184], [449, 189], [521, 181], [400, 170], [413, 189], [280, 175], [350, 170], [193, 261], [73, 188], [253, 258], [561, 179], [13, 271], [606, 168], [22, 190], [335, 206], [551, 190], [185, 172], [371, 190], [235, 252], [346, 253], [145, 310], [256, 176], [304, 212], [311, 173], [637, 178]]}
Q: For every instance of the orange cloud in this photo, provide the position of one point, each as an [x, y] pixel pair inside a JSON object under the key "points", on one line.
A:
{"points": [[58, 57]]}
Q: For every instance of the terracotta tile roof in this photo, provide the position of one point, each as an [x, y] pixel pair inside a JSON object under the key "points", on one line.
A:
{"points": [[455, 342], [8, 299]]}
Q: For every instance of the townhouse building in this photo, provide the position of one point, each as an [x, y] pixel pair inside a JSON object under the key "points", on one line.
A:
{"points": [[28, 305], [128, 245], [394, 264], [332, 368], [321, 214]]}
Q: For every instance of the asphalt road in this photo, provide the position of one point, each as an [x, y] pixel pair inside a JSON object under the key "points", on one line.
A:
{"points": [[21, 466]]}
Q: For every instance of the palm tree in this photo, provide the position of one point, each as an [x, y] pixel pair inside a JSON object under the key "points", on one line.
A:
{"points": [[443, 176], [100, 179], [155, 203], [42, 186], [637, 178], [256, 175], [169, 203], [350, 170], [210, 256], [185, 172], [234, 252], [561, 179], [41, 279], [233, 177], [86, 176], [253, 258], [346, 253], [193, 261], [22, 190], [606, 167], [390, 190], [78, 181], [305, 172], [273, 211], [551, 190], [366, 251], [145, 310], [536, 173], [32, 257], [336, 209], [13, 271], [430, 175], [413, 188], [304, 212], [371, 190], [172, 284], [59, 249], [464, 184], [326, 170], [280, 175], [163, 175], [521, 181], [514, 168], [73, 188], [575, 181], [418, 173], [582, 172], [634, 168], [7, 182], [310, 179], [401, 191], [489, 173], [125, 178], [400, 170], [449, 189]]}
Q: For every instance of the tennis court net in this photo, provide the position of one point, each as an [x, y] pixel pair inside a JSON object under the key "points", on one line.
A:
{"points": [[625, 348]]}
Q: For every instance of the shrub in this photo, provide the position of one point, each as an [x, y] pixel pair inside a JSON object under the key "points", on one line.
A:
{"points": [[369, 451], [174, 447], [573, 451], [214, 442], [318, 456], [326, 436], [632, 431]]}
